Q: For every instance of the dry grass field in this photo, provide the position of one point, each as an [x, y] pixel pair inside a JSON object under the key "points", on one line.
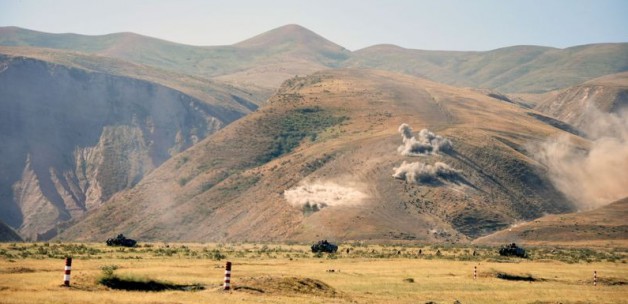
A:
{"points": [[265, 273]]}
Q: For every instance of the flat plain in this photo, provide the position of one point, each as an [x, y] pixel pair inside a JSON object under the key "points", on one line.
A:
{"points": [[291, 273]]}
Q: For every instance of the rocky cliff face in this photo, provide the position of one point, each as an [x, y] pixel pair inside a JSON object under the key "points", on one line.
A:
{"points": [[71, 138]]}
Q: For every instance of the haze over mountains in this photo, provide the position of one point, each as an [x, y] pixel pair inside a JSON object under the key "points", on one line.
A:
{"points": [[165, 141]]}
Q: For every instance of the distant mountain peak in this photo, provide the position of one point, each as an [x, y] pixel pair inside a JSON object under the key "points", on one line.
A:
{"points": [[290, 33]]}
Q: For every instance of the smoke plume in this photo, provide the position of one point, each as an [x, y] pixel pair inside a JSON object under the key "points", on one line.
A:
{"points": [[319, 195], [595, 177], [425, 143], [420, 173]]}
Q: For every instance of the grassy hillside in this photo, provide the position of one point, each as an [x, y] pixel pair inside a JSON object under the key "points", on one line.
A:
{"points": [[259, 64], [215, 93], [335, 134], [132, 47], [512, 69], [262, 63]]}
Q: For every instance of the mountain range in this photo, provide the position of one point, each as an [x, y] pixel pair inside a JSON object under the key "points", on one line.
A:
{"points": [[288, 136]]}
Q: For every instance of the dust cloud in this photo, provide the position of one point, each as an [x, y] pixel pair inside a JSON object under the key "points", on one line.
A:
{"points": [[420, 173], [321, 194], [424, 143], [595, 177]]}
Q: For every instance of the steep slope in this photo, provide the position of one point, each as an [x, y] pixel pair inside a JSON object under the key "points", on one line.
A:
{"points": [[510, 69], [7, 234], [603, 226], [609, 94], [319, 160], [73, 137]]}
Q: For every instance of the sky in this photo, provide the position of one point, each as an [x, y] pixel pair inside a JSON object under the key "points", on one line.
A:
{"points": [[476, 25]]}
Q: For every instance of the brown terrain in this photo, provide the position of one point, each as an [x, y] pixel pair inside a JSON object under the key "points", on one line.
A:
{"points": [[237, 185], [124, 133], [605, 226]]}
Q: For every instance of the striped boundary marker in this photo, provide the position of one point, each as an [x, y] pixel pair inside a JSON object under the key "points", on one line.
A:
{"points": [[594, 278], [68, 269], [475, 272], [228, 276]]}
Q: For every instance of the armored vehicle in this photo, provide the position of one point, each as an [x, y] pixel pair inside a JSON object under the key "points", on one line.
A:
{"points": [[513, 250], [120, 240], [324, 246]]}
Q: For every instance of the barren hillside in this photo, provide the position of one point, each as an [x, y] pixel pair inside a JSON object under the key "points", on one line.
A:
{"points": [[319, 160], [603, 226]]}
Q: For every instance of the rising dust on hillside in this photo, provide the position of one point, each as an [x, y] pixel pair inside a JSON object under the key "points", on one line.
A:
{"points": [[424, 144], [321, 194], [599, 176]]}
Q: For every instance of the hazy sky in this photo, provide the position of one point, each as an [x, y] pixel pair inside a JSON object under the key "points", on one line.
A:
{"points": [[354, 24]]}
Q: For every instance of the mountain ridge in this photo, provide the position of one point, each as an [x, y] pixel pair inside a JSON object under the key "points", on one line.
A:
{"points": [[249, 64]]}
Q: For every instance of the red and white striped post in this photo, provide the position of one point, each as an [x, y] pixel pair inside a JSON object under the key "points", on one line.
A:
{"points": [[228, 276], [475, 272], [68, 269], [594, 278]]}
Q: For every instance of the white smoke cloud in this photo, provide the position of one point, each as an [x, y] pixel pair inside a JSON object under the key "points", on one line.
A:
{"points": [[320, 195], [599, 176], [425, 143], [420, 173]]}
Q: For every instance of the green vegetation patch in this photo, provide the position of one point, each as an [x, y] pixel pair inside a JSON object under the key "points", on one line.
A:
{"points": [[240, 183], [296, 125]]}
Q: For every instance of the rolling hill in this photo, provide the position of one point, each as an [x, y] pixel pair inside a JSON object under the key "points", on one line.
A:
{"points": [[263, 62], [259, 64], [605, 226], [323, 160], [77, 129], [532, 69]]}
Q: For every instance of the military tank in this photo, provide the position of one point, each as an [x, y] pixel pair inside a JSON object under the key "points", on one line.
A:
{"points": [[120, 240], [513, 250], [324, 246]]}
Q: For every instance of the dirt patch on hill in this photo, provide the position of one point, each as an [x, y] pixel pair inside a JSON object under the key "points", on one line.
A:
{"points": [[285, 285]]}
